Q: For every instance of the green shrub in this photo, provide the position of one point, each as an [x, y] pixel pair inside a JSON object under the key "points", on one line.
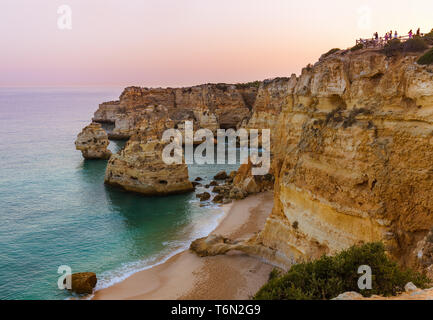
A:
{"points": [[253, 84], [428, 37], [327, 277], [331, 52], [427, 58], [275, 273], [392, 47], [359, 46], [414, 45], [395, 46]]}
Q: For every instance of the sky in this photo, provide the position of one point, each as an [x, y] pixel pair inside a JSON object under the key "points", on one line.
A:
{"points": [[184, 42]]}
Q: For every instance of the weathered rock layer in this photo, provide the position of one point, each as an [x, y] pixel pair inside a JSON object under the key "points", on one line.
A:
{"points": [[352, 154], [140, 167], [210, 106], [93, 142]]}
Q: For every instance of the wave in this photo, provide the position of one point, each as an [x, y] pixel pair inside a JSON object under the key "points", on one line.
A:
{"points": [[206, 222]]}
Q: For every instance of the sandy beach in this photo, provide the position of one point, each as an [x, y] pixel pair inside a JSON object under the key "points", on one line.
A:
{"points": [[187, 276]]}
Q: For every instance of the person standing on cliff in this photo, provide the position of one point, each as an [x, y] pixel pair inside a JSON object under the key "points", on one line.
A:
{"points": [[410, 34], [418, 32], [395, 35]]}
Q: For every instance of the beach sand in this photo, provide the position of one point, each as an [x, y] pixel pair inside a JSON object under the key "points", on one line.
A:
{"points": [[186, 276]]}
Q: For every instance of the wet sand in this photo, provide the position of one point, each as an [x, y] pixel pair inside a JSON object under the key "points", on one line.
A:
{"points": [[187, 276]]}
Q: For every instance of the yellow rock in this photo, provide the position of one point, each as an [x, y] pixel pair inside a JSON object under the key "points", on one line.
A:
{"points": [[93, 142]]}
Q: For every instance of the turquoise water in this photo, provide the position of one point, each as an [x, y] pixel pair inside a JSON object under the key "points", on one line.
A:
{"points": [[55, 209]]}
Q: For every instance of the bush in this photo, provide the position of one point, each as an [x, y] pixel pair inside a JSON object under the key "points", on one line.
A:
{"points": [[392, 47], [359, 46], [275, 273], [428, 38], [331, 52], [427, 58], [395, 46], [253, 84], [414, 45], [327, 277]]}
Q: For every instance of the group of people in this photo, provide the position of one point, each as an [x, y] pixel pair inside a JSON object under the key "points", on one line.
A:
{"points": [[418, 33], [390, 35], [376, 41]]}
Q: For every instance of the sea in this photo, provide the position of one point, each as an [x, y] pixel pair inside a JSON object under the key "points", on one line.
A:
{"points": [[56, 211]]}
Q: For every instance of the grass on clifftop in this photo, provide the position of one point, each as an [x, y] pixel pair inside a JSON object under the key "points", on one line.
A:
{"points": [[359, 46], [332, 51], [427, 58], [428, 38], [395, 46], [327, 277]]}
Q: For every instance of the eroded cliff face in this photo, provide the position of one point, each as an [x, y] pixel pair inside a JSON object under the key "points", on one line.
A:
{"points": [[92, 141], [352, 142], [210, 106], [139, 167]]}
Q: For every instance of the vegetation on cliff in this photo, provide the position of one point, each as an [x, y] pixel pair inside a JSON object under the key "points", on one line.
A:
{"points": [[327, 277], [428, 38], [395, 46], [427, 58], [252, 84], [357, 47], [334, 50]]}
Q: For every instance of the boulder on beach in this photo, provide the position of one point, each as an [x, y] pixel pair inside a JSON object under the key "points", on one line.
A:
{"points": [[221, 175], [210, 246], [83, 282], [237, 193], [195, 184], [203, 196], [219, 198]]}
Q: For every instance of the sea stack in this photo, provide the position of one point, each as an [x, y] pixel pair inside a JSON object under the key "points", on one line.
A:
{"points": [[93, 142], [139, 167]]}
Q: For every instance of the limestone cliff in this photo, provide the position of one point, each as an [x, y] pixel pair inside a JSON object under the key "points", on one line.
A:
{"points": [[351, 144], [139, 167], [92, 141], [352, 154], [211, 106]]}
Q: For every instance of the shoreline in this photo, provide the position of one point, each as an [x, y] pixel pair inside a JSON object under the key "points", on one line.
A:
{"points": [[186, 276]]}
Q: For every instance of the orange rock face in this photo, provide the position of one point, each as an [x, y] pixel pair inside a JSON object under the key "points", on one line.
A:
{"points": [[140, 168], [352, 152], [210, 106]]}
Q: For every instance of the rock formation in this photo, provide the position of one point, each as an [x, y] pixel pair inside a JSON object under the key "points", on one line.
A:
{"points": [[214, 245], [93, 142], [210, 106], [351, 146], [139, 167], [83, 282], [351, 154], [240, 184]]}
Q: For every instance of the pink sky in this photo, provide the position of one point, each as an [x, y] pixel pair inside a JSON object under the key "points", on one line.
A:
{"points": [[185, 42]]}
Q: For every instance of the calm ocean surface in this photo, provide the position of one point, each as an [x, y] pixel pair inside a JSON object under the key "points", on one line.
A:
{"points": [[55, 209]]}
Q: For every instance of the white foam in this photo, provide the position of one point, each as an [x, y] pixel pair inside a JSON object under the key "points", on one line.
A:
{"points": [[206, 223]]}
